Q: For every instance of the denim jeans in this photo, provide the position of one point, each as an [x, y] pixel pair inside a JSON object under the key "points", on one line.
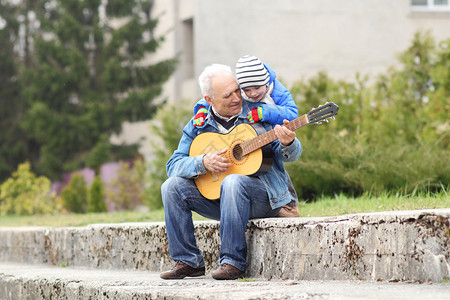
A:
{"points": [[242, 198]]}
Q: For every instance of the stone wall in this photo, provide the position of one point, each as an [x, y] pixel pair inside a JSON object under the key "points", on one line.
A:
{"points": [[394, 246]]}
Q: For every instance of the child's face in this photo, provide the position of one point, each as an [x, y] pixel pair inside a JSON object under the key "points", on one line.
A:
{"points": [[256, 93]]}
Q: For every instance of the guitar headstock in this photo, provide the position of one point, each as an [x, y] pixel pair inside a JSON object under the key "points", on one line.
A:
{"points": [[323, 113]]}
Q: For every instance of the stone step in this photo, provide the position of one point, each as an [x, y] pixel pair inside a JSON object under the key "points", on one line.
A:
{"points": [[21, 281], [388, 246]]}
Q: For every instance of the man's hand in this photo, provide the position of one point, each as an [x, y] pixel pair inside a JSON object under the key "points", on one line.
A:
{"points": [[215, 163], [285, 135]]}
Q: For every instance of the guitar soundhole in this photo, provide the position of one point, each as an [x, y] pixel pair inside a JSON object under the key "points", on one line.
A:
{"points": [[237, 152]]}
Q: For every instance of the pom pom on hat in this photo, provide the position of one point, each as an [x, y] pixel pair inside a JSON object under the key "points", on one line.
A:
{"points": [[250, 72]]}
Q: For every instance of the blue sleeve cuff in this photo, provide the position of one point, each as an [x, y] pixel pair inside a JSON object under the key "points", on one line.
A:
{"points": [[199, 166], [292, 151]]}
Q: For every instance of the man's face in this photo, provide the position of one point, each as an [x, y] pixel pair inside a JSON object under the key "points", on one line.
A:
{"points": [[227, 100]]}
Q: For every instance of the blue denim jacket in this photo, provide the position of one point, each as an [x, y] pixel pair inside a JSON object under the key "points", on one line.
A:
{"points": [[182, 165]]}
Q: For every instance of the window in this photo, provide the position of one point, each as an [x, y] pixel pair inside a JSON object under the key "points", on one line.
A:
{"points": [[187, 56], [430, 5]]}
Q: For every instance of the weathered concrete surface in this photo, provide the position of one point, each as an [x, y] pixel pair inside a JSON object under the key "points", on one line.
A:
{"points": [[403, 245], [46, 282], [392, 246]]}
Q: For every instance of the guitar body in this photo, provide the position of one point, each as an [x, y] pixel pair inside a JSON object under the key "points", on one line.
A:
{"points": [[253, 163]]}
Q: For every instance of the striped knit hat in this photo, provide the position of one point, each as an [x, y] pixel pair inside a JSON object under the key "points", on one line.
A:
{"points": [[250, 72]]}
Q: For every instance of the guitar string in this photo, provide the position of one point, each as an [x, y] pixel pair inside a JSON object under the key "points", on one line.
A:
{"points": [[269, 136]]}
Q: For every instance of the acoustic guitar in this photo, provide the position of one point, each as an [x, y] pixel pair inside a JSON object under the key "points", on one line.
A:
{"points": [[246, 148]]}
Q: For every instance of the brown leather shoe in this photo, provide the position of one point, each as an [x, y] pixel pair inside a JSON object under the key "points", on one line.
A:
{"points": [[227, 272], [288, 212], [181, 270]]}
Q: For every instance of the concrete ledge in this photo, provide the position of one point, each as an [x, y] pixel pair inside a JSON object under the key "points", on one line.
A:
{"points": [[45, 282], [392, 246]]}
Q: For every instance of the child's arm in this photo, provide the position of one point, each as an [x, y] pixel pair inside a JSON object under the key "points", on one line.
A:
{"points": [[200, 112]]}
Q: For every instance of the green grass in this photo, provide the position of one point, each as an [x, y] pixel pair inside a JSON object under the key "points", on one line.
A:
{"points": [[325, 206], [246, 279], [81, 219], [64, 220], [341, 205]]}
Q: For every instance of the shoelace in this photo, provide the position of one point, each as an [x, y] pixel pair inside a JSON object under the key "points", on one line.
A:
{"points": [[179, 263]]}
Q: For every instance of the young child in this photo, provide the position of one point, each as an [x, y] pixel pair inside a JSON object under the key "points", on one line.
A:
{"points": [[273, 104]]}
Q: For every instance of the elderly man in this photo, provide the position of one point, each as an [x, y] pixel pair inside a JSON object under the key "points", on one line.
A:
{"points": [[242, 197]]}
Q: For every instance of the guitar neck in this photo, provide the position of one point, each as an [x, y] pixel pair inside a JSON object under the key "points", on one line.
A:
{"points": [[269, 136]]}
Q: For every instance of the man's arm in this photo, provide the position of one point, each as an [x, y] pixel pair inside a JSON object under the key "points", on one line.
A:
{"points": [[180, 163]]}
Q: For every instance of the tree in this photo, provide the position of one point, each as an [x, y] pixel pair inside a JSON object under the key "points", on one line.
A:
{"points": [[404, 93], [13, 142], [171, 120], [87, 77], [438, 98]]}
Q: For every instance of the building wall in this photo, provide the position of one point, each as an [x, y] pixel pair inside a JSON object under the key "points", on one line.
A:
{"points": [[298, 38]]}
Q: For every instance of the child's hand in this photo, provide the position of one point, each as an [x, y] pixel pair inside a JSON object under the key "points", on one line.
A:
{"points": [[255, 115], [199, 118]]}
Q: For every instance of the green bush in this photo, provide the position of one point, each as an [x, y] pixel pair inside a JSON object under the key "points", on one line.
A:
{"points": [[391, 136], [353, 166], [96, 196], [74, 195], [171, 120], [127, 190], [26, 194]]}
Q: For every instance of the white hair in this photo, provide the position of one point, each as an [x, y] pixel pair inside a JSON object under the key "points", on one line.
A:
{"points": [[205, 78]]}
